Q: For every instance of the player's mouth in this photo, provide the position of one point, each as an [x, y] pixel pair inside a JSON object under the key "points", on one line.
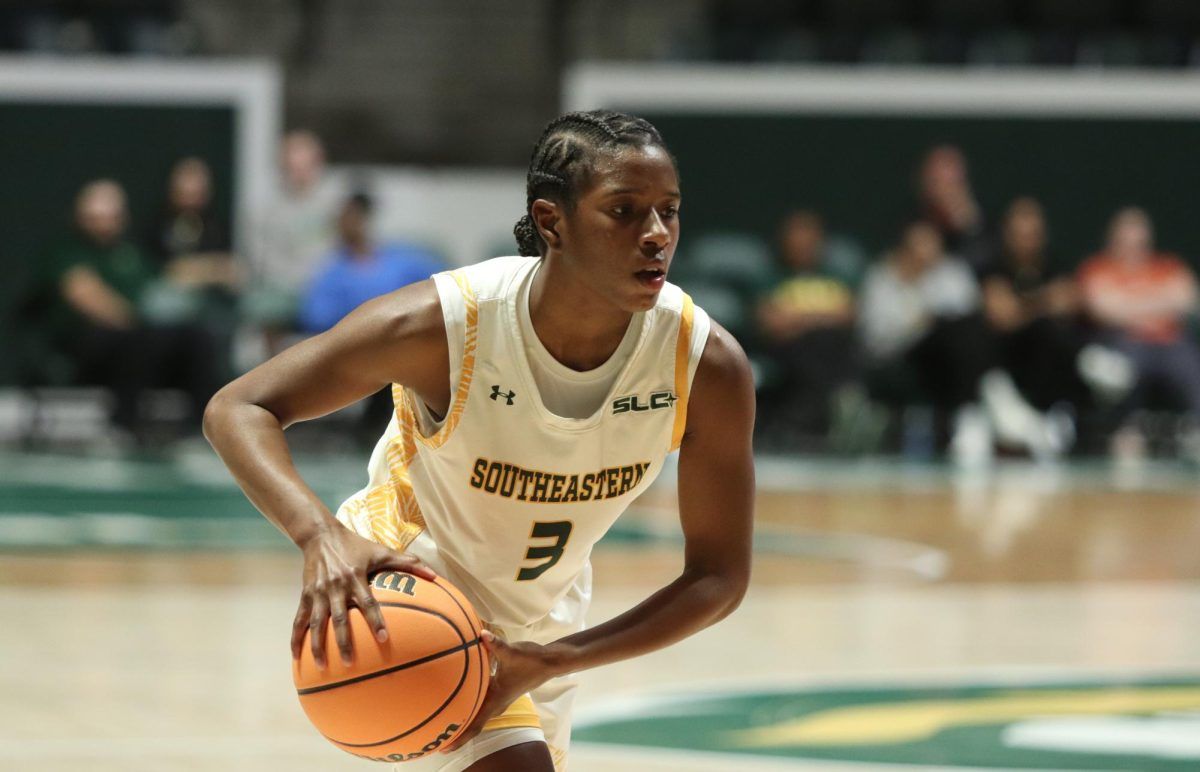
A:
{"points": [[652, 278]]}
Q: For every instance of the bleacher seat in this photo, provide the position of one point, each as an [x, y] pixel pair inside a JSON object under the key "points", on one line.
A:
{"points": [[722, 303], [792, 45], [1001, 48], [894, 46], [1112, 49], [972, 14], [740, 260]]}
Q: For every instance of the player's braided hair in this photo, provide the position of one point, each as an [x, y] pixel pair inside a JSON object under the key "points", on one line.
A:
{"points": [[565, 155]]}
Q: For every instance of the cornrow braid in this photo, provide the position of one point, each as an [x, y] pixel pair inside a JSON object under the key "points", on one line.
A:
{"points": [[565, 156]]}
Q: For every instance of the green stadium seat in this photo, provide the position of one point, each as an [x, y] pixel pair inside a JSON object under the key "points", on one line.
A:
{"points": [[722, 303], [741, 260], [895, 45], [1001, 48], [793, 45], [1164, 49], [1120, 49], [845, 257]]}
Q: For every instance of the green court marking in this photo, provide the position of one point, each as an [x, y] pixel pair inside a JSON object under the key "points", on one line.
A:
{"points": [[1143, 724]]}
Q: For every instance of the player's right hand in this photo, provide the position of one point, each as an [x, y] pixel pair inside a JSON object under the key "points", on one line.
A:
{"points": [[338, 564]]}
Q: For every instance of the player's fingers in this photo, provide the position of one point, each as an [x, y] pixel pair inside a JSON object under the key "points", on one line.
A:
{"points": [[486, 712], [300, 624], [369, 606], [469, 733], [409, 564], [316, 628], [341, 624]]}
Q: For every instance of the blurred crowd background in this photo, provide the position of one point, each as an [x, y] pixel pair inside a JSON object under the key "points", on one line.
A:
{"points": [[945, 304]]}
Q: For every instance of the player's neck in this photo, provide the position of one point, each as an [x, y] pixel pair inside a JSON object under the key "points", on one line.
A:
{"points": [[578, 327]]}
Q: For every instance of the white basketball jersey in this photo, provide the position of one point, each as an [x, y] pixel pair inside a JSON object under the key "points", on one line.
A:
{"points": [[513, 495]]}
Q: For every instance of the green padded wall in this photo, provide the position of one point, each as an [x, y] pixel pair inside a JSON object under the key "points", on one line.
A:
{"points": [[48, 150]]}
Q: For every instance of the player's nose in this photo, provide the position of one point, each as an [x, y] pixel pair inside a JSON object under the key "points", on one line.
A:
{"points": [[655, 237]]}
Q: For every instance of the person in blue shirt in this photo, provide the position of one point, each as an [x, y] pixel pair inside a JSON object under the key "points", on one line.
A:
{"points": [[359, 269]]}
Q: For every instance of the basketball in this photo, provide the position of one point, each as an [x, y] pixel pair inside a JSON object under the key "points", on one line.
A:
{"points": [[411, 695]]}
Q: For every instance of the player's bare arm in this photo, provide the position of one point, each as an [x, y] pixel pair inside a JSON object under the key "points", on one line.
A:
{"points": [[399, 338], [716, 492]]}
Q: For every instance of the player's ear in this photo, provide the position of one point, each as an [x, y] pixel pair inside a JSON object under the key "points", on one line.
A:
{"points": [[546, 217]]}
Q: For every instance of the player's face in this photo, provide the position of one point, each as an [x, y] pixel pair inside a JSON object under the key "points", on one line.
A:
{"points": [[625, 227]]}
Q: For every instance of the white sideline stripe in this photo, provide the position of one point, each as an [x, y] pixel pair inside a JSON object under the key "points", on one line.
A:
{"points": [[225, 747], [715, 761], [29, 529], [141, 747]]}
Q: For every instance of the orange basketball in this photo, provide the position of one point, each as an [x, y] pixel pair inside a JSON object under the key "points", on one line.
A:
{"points": [[411, 695]]}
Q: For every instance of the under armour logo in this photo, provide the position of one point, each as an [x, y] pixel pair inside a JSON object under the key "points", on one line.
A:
{"points": [[508, 396]]}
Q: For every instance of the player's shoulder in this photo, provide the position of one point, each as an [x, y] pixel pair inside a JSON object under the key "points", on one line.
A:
{"points": [[724, 359], [722, 401], [490, 278]]}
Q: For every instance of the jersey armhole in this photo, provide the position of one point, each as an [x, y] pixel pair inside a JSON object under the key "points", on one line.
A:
{"points": [[460, 314]]}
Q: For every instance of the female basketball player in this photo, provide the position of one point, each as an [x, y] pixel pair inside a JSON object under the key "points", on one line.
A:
{"points": [[535, 398]]}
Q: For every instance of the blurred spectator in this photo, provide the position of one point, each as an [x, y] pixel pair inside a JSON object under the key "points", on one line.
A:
{"points": [[189, 243], [948, 203], [359, 269], [191, 250], [1141, 299], [807, 324], [1034, 310], [292, 236], [297, 230], [918, 312], [921, 324], [99, 279]]}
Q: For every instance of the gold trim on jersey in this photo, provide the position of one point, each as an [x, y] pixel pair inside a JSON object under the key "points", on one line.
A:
{"points": [[683, 347], [389, 514], [520, 714], [403, 399], [558, 756]]}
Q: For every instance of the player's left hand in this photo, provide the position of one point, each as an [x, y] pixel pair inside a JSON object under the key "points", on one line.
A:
{"points": [[518, 668]]}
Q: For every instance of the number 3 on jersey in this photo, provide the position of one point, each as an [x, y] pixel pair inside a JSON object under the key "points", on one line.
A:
{"points": [[560, 531]]}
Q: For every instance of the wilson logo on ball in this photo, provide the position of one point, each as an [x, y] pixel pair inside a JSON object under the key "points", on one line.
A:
{"points": [[396, 582]]}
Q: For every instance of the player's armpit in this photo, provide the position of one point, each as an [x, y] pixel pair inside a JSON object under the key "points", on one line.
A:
{"points": [[397, 338]]}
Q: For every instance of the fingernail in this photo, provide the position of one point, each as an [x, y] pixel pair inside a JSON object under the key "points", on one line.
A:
{"points": [[347, 661], [487, 636], [381, 635], [320, 664]]}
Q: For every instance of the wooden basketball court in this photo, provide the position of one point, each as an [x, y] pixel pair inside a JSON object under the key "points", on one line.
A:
{"points": [[1030, 618]]}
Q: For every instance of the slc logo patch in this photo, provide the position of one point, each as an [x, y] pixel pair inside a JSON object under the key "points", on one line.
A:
{"points": [[1094, 725], [635, 404]]}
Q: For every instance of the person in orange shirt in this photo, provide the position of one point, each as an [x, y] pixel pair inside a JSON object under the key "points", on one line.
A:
{"points": [[1142, 298]]}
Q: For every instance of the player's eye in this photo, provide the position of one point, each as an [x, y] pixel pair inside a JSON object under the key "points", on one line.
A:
{"points": [[621, 210], [670, 212]]}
